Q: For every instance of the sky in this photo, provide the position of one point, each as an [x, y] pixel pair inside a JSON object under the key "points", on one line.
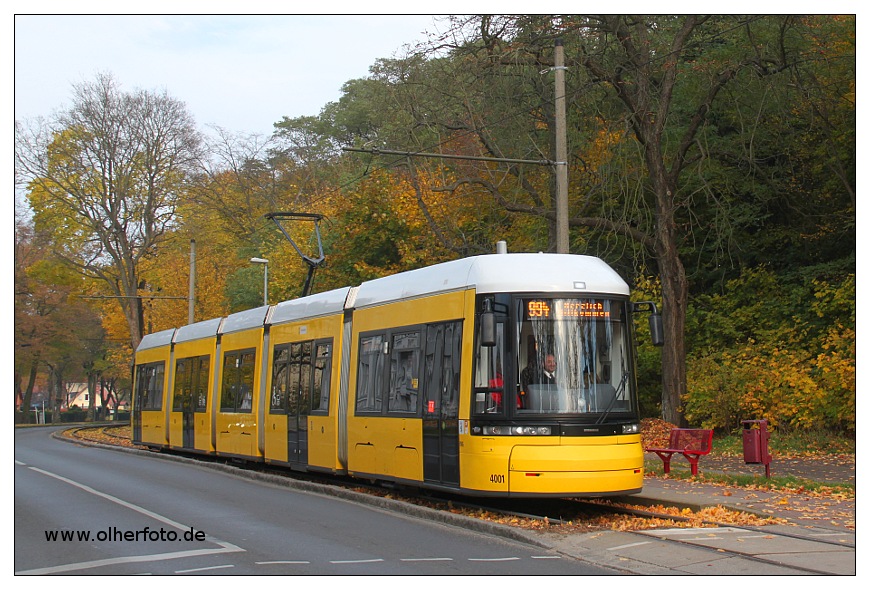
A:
{"points": [[242, 73]]}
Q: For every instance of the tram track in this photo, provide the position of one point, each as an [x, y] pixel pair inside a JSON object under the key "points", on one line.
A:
{"points": [[724, 546], [711, 529], [535, 514]]}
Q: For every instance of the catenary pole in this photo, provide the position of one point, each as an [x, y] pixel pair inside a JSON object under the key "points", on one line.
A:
{"points": [[191, 298], [562, 242]]}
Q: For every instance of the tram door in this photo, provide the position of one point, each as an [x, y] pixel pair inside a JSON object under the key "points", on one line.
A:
{"points": [[191, 382], [441, 403], [138, 401], [137, 421], [298, 402]]}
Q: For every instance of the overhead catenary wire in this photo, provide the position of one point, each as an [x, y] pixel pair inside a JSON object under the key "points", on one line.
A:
{"points": [[519, 112]]}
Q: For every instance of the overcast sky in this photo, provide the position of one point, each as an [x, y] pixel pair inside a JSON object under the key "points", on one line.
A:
{"points": [[240, 72]]}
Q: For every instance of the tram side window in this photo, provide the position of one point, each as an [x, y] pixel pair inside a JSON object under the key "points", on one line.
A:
{"points": [[280, 379], [489, 391], [299, 375], [441, 372], [432, 370], [237, 384], [200, 390], [451, 368], [181, 393], [300, 379], [191, 384], [322, 374], [405, 373], [369, 389], [149, 387]]}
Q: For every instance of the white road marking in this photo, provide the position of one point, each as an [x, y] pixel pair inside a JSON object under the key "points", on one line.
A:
{"points": [[203, 569], [629, 545], [83, 565], [357, 561], [281, 562], [224, 547]]}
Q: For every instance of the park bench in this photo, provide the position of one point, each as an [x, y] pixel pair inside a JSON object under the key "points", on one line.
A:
{"points": [[689, 442]]}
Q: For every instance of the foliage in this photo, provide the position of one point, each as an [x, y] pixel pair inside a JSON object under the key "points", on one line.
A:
{"points": [[646, 287], [810, 444], [104, 180], [760, 175], [767, 348]]}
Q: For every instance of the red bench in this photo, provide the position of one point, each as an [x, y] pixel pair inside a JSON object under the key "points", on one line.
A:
{"points": [[689, 442]]}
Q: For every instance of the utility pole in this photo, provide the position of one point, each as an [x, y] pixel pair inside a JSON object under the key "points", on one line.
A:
{"points": [[560, 165], [562, 242], [192, 285]]}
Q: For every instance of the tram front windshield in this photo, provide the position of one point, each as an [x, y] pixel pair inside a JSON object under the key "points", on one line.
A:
{"points": [[572, 357]]}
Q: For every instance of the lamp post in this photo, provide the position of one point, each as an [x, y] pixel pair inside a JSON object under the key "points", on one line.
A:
{"points": [[265, 264]]}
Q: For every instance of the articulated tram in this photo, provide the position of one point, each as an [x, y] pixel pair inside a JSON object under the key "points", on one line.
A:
{"points": [[499, 375]]}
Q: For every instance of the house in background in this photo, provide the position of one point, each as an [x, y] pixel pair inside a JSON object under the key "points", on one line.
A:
{"points": [[79, 395]]}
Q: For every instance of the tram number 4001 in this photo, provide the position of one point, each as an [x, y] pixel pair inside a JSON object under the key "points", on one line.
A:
{"points": [[496, 478]]}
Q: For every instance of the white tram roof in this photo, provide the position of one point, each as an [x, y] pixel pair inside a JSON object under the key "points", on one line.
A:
{"points": [[499, 273], [156, 339], [319, 304], [243, 320], [490, 273], [204, 329]]}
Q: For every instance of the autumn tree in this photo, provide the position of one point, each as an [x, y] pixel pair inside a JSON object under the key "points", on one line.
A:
{"points": [[30, 310], [56, 331], [105, 177], [645, 92]]}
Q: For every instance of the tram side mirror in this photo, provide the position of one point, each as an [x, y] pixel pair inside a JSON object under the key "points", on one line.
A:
{"points": [[487, 328], [656, 329]]}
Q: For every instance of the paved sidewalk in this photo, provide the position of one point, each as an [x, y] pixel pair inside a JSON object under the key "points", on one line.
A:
{"points": [[837, 469], [805, 509], [776, 550], [801, 509]]}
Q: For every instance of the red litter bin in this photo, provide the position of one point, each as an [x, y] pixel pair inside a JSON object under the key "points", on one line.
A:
{"points": [[755, 437]]}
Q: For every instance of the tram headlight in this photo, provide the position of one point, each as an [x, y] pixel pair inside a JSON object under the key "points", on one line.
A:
{"points": [[633, 428], [514, 430]]}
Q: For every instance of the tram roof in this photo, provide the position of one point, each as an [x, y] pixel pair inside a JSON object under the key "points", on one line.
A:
{"points": [[156, 339], [203, 329], [489, 273], [244, 320], [499, 273], [319, 304]]}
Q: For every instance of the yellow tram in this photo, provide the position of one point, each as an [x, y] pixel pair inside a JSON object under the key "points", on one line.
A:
{"points": [[499, 375]]}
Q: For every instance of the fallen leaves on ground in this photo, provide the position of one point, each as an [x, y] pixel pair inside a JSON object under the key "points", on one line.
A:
{"points": [[108, 435], [655, 433]]}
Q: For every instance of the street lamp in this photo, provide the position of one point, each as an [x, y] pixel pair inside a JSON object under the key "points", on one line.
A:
{"points": [[265, 264]]}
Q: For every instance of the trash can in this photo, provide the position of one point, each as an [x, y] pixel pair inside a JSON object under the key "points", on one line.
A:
{"points": [[755, 450]]}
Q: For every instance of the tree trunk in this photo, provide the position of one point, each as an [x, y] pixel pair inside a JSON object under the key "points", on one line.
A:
{"points": [[135, 316], [675, 293], [55, 389], [92, 405], [675, 297], [27, 397]]}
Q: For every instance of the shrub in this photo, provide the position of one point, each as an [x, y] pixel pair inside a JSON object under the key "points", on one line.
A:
{"points": [[763, 353]]}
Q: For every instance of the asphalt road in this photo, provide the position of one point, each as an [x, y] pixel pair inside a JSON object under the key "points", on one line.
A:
{"points": [[81, 510]]}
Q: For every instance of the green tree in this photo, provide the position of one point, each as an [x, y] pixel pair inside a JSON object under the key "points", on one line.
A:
{"points": [[104, 180], [778, 347], [651, 89]]}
